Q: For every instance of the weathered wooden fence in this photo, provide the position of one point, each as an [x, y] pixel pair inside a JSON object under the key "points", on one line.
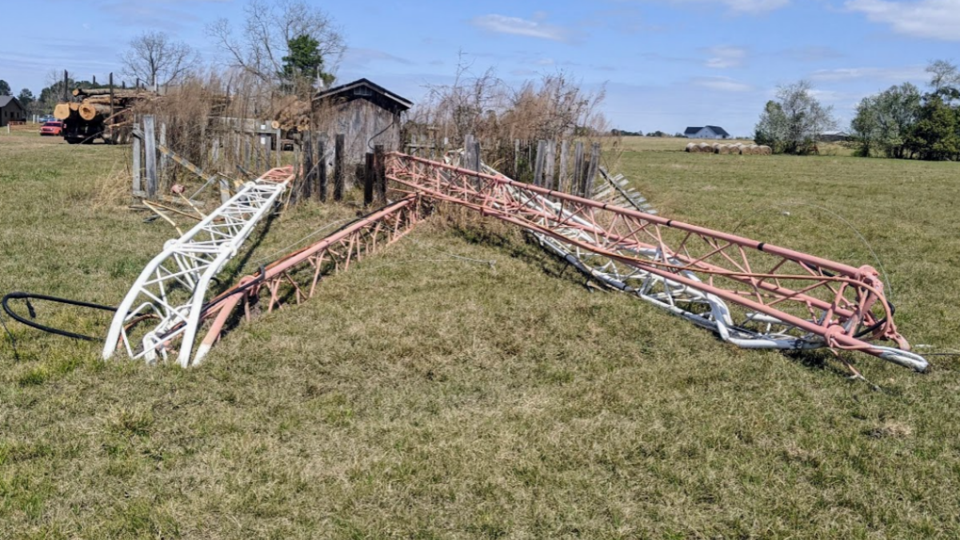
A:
{"points": [[235, 154], [566, 165]]}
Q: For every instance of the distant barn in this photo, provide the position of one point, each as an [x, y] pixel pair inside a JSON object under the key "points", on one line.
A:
{"points": [[11, 111], [366, 113], [707, 132]]}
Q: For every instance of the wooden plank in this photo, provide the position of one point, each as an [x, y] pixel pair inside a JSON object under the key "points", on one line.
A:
{"points": [[369, 178], [338, 176], [266, 141], [214, 161], [321, 169], [279, 149], [576, 186], [150, 153], [164, 174], [468, 149], [516, 159], [562, 179], [551, 157], [309, 167], [538, 164], [379, 174], [137, 151], [591, 169]]}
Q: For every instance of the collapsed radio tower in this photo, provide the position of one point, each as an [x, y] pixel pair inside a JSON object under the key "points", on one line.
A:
{"points": [[752, 294]]}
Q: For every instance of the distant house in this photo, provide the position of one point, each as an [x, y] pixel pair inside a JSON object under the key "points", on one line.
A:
{"points": [[835, 136], [708, 132], [366, 113], [11, 110]]}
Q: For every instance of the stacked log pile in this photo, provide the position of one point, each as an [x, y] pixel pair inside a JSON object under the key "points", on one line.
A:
{"points": [[292, 114], [93, 117]]}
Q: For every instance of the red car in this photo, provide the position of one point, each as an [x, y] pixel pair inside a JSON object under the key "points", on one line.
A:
{"points": [[51, 128]]}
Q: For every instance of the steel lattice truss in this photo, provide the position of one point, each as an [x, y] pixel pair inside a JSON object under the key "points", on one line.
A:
{"points": [[750, 293], [167, 300], [295, 276]]}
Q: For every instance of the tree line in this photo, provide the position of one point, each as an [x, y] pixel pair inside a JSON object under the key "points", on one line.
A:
{"points": [[902, 122], [288, 46]]}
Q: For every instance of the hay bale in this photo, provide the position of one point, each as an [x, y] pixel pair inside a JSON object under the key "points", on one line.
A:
{"points": [[691, 147], [752, 150], [705, 148], [766, 150]]}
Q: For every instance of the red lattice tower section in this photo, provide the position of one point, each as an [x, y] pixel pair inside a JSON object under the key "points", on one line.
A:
{"points": [[753, 294]]}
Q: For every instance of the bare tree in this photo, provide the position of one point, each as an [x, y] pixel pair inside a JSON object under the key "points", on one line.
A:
{"points": [[943, 74], [155, 58], [267, 32]]}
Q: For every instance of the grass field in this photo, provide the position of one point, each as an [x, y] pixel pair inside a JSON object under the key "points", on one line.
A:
{"points": [[425, 396]]}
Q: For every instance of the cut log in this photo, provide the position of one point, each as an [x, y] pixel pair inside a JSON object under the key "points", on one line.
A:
{"points": [[89, 111], [61, 111], [74, 106], [117, 92]]}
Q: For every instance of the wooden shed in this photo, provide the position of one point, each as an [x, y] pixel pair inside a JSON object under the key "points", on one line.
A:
{"points": [[366, 114], [11, 111]]}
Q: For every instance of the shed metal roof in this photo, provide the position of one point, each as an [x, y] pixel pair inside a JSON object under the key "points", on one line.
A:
{"points": [[364, 88]]}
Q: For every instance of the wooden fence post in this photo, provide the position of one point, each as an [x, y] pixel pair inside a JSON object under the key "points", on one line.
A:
{"points": [[279, 149], [471, 153], [516, 158], [322, 170], [576, 186], [562, 179], [309, 167], [338, 167], [369, 178], [379, 175], [592, 167], [549, 181], [164, 173], [137, 152], [538, 165], [214, 161], [150, 153]]}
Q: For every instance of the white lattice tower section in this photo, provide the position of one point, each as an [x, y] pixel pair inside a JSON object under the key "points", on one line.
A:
{"points": [[167, 300]]}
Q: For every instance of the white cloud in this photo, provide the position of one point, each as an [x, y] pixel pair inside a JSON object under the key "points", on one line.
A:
{"points": [[723, 84], [936, 19], [741, 6], [535, 28], [724, 57], [896, 74]]}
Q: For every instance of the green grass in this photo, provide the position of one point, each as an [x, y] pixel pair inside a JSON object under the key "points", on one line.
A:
{"points": [[423, 396]]}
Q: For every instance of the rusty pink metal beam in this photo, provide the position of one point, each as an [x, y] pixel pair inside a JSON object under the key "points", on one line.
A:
{"points": [[296, 275], [752, 293]]}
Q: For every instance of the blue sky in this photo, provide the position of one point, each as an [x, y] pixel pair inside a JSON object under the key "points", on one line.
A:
{"points": [[666, 64]]}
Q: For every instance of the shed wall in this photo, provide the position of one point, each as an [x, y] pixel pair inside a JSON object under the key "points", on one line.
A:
{"points": [[359, 121]]}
